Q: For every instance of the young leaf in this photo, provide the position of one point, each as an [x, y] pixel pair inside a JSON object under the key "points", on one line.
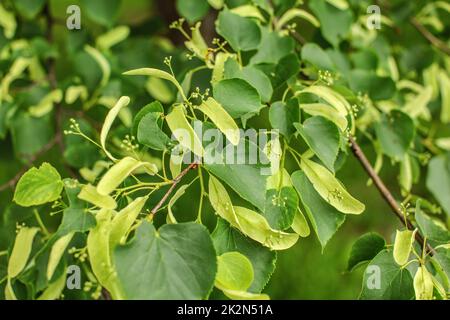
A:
{"points": [[221, 202], [242, 34], [98, 248], [324, 218], [8, 22], [234, 272], [323, 137], [227, 239], [297, 13], [38, 186], [110, 117], [159, 74], [326, 111], [183, 131], [55, 289], [112, 37], [300, 225], [438, 180], [330, 188], [56, 253], [220, 117], [423, 284], [90, 194], [21, 251], [330, 96], [124, 219], [120, 171], [102, 62], [180, 192], [402, 246], [256, 227]]}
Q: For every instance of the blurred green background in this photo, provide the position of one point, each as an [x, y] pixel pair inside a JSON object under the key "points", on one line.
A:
{"points": [[304, 271]]}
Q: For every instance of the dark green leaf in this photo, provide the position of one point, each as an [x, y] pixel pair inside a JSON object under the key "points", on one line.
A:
{"points": [[365, 249], [176, 262]]}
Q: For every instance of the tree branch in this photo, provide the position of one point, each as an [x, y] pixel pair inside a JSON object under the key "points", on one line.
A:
{"points": [[172, 187], [384, 191], [12, 182], [439, 44]]}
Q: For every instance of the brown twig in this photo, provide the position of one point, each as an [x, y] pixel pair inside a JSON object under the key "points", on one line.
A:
{"points": [[172, 187], [439, 44], [12, 182], [384, 191]]}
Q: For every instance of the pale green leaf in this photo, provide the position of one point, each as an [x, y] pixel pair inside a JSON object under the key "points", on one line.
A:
{"points": [[57, 251], [423, 284], [120, 171], [330, 188], [102, 62], [402, 246], [220, 117], [183, 131], [110, 117], [112, 37], [21, 251], [90, 194]]}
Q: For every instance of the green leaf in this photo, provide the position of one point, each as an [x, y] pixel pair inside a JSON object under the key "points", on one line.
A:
{"points": [[167, 264], [281, 207], [124, 220], [180, 192], [254, 76], [438, 180], [246, 180], [102, 62], [444, 85], [220, 117], [323, 137], [192, 10], [112, 37], [120, 171], [395, 132], [434, 230], [8, 22], [324, 218], [103, 12], [330, 188], [315, 55], [38, 186], [29, 8], [150, 134], [334, 23], [227, 239], [238, 97], [243, 34], [282, 116], [183, 131], [365, 249], [326, 111], [297, 13], [272, 48], [21, 251], [395, 282], [368, 82]]}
